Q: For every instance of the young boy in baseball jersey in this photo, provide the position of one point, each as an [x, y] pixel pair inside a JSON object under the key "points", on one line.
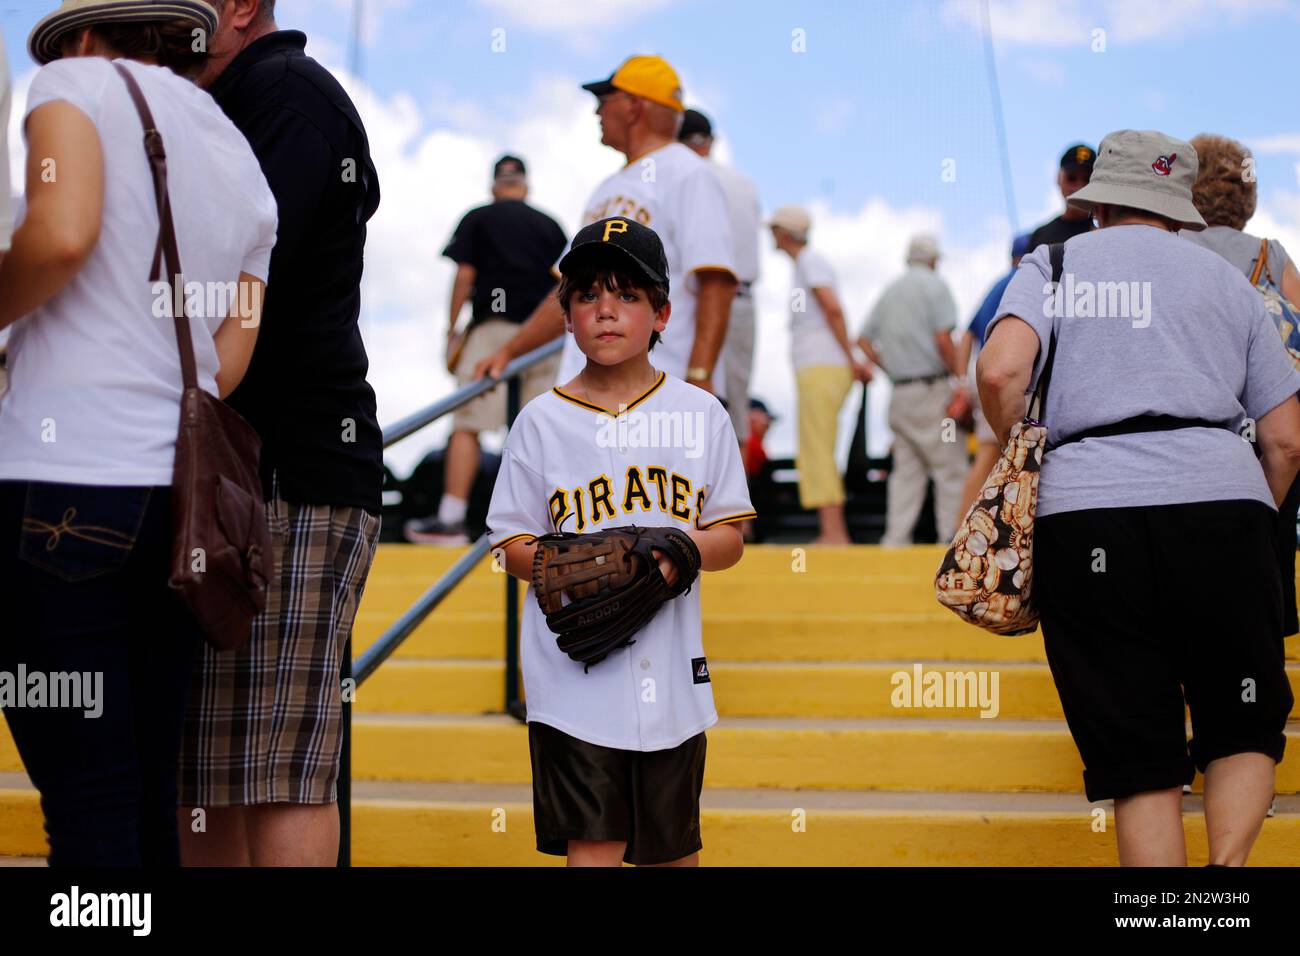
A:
{"points": [[618, 748]]}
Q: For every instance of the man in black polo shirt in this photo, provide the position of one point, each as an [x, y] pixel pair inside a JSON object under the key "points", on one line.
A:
{"points": [[264, 733], [503, 254], [1075, 171]]}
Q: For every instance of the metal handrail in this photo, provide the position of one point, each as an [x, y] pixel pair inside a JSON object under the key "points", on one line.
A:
{"points": [[383, 648], [354, 675], [412, 423]]}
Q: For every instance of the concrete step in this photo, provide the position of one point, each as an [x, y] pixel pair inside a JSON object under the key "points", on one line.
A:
{"points": [[487, 825]]}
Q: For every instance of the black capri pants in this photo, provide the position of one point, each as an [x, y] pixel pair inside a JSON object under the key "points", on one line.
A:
{"points": [[1147, 609]]}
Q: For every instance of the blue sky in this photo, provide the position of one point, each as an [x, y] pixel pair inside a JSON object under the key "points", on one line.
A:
{"points": [[858, 126]]}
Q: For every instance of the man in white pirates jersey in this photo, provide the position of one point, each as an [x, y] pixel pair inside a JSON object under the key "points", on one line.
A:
{"points": [[618, 748], [669, 188]]}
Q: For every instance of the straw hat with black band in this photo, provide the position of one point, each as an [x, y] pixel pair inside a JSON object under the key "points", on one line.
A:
{"points": [[47, 37], [1147, 170]]}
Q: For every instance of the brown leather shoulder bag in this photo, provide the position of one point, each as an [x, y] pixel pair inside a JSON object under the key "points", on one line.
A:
{"points": [[221, 556]]}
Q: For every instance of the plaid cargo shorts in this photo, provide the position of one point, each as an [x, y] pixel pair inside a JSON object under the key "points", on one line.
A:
{"points": [[265, 723]]}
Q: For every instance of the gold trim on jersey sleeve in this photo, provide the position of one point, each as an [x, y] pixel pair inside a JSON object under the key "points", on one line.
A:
{"points": [[747, 516], [504, 542]]}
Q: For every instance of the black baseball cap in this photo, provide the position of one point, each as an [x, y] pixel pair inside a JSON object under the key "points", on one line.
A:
{"points": [[1078, 155], [693, 122], [509, 165], [637, 243]]}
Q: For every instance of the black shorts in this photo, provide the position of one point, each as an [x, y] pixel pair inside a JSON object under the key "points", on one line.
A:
{"points": [[649, 800], [1188, 610], [1286, 549]]}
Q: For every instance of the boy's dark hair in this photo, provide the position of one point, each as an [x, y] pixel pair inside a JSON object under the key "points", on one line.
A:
{"points": [[169, 44], [614, 276]]}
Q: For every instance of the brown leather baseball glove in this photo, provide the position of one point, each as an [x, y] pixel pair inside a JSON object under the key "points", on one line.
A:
{"points": [[612, 582]]}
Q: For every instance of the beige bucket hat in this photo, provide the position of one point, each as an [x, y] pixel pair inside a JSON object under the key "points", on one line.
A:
{"points": [[794, 220], [1147, 170], [47, 35]]}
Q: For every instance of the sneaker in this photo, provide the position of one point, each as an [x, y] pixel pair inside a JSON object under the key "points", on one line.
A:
{"points": [[433, 531]]}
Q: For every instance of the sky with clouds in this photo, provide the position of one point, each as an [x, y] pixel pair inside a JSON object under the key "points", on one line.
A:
{"points": [[854, 108]]}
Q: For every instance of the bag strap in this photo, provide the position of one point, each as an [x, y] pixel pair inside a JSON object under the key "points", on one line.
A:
{"points": [[1261, 264], [166, 247], [1056, 254]]}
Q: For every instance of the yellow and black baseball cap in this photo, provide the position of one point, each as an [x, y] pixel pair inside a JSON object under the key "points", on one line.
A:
{"points": [[1080, 155], [626, 237], [648, 76]]}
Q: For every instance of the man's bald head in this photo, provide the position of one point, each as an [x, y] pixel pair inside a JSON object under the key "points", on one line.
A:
{"points": [[241, 23]]}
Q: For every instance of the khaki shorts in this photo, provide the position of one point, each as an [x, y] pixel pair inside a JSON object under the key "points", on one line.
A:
{"points": [[488, 412]]}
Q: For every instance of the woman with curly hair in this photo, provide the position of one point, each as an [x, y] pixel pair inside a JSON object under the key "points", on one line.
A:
{"points": [[1224, 195]]}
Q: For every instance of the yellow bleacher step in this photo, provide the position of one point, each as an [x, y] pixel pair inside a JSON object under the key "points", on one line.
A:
{"points": [[887, 754], [725, 593], [486, 826], [758, 558], [780, 634], [755, 689]]}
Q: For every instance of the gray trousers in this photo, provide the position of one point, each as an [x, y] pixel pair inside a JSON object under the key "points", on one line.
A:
{"points": [[916, 414], [738, 362]]}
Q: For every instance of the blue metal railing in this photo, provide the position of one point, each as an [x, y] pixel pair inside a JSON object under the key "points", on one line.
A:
{"points": [[352, 676]]}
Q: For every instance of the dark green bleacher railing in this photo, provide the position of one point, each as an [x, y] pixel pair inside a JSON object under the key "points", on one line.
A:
{"points": [[353, 675]]}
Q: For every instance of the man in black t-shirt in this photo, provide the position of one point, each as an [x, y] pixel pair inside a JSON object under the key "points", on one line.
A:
{"points": [[1076, 170], [264, 731], [503, 254]]}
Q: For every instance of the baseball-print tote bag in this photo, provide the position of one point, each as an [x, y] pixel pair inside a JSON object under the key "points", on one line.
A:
{"points": [[987, 573]]}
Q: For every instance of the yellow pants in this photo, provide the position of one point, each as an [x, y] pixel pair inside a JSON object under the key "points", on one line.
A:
{"points": [[822, 390]]}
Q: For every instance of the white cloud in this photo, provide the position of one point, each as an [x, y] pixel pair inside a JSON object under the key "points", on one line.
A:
{"points": [[432, 171], [1064, 23], [1281, 143], [573, 17], [1278, 217], [17, 142], [866, 248]]}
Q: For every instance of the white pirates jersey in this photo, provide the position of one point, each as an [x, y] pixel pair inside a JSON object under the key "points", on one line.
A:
{"points": [[670, 460], [678, 195]]}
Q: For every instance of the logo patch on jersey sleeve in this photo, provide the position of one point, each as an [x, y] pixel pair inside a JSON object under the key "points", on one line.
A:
{"points": [[700, 670]]}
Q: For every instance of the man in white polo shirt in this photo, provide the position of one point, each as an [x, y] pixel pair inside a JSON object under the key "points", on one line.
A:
{"points": [[671, 190], [746, 218]]}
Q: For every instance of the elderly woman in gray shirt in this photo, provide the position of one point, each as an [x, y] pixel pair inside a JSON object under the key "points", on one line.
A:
{"points": [[1224, 194], [1154, 565]]}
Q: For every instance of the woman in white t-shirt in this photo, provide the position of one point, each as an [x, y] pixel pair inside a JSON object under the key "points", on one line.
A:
{"points": [[825, 369], [88, 427]]}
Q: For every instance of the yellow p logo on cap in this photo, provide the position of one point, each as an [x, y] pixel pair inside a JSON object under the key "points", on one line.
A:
{"points": [[614, 225]]}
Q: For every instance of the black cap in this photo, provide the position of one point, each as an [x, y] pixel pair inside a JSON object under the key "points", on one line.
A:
{"points": [[693, 121], [757, 405], [636, 242], [1080, 154], [509, 166]]}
